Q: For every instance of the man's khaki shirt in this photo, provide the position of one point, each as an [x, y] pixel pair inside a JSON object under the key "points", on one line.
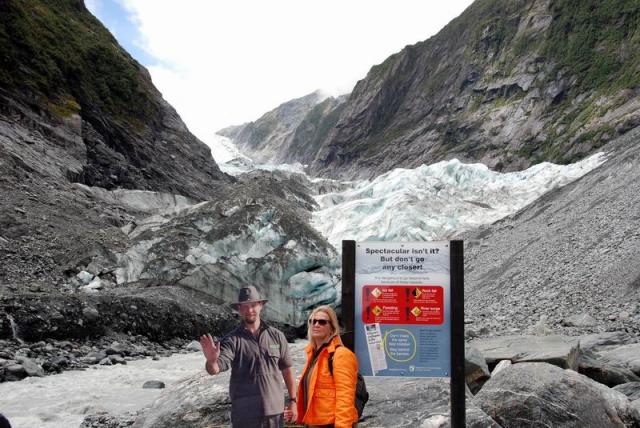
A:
{"points": [[256, 385]]}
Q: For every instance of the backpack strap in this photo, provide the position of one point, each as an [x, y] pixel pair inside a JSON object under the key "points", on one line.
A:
{"points": [[331, 360]]}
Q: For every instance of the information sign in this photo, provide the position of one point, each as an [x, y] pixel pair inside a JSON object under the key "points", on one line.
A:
{"points": [[402, 326], [403, 310]]}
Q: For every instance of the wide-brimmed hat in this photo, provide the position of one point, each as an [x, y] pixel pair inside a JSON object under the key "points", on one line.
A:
{"points": [[248, 294]]}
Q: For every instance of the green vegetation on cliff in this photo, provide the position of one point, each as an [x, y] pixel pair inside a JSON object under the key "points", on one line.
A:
{"points": [[55, 54], [597, 41]]}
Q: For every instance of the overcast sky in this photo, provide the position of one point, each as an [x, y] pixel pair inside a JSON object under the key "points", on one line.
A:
{"points": [[222, 63]]}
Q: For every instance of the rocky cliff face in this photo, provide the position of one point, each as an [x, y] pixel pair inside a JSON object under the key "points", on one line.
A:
{"points": [[289, 133], [64, 77], [312, 131], [507, 83]]}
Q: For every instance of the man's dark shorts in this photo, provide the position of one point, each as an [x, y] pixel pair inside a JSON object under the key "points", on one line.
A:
{"points": [[273, 421]]}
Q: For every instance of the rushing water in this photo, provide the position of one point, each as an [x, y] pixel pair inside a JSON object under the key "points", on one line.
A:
{"points": [[63, 400]]}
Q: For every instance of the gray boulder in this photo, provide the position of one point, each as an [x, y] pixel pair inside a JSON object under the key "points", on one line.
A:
{"points": [[626, 356], [562, 351], [30, 367], [500, 366], [14, 372], [153, 384], [106, 362], [605, 341], [194, 346], [94, 357], [198, 401], [116, 348], [543, 395], [395, 402], [476, 371], [103, 419], [610, 374], [117, 359], [92, 314], [631, 390]]}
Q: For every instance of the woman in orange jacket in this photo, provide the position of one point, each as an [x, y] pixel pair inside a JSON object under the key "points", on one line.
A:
{"points": [[325, 399]]}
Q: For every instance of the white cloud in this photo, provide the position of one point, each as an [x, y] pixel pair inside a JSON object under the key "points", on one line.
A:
{"points": [[226, 62]]}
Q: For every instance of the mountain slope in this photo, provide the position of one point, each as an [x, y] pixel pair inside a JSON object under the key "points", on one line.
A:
{"points": [[572, 251], [64, 73], [290, 132], [114, 218], [508, 83], [77, 111]]}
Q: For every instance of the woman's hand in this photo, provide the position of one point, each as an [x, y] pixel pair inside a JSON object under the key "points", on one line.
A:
{"points": [[290, 412]]}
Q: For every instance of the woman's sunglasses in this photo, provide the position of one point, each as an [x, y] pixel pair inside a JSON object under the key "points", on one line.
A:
{"points": [[313, 321]]}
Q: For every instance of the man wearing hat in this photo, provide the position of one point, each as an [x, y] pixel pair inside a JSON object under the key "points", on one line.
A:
{"points": [[258, 356]]}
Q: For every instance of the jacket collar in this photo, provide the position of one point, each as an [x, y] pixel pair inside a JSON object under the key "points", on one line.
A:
{"points": [[334, 343]]}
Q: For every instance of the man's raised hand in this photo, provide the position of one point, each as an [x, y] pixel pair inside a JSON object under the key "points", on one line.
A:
{"points": [[211, 351]]}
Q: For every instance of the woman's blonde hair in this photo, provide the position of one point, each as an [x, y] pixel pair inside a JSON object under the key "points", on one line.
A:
{"points": [[333, 320]]}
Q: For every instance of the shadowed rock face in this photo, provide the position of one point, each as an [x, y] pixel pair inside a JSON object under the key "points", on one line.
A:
{"points": [[159, 313], [64, 78], [163, 157]]}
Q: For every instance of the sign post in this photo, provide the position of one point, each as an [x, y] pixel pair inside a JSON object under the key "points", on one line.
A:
{"points": [[404, 306]]}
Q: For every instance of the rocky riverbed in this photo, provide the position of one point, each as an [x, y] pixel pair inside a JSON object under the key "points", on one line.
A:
{"points": [[588, 381], [19, 359]]}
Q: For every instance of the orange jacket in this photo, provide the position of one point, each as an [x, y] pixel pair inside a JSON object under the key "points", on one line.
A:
{"points": [[330, 398]]}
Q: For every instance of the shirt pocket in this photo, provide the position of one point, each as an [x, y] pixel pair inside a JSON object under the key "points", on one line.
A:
{"points": [[272, 358], [273, 352]]}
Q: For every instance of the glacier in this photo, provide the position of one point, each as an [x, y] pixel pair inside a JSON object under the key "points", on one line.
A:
{"points": [[430, 202], [438, 201]]}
